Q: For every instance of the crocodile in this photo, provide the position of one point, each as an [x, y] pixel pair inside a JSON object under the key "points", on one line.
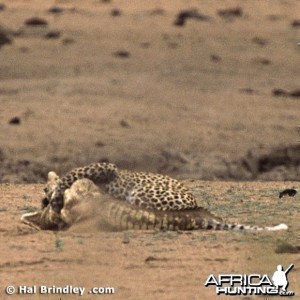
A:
{"points": [[84, 200]]}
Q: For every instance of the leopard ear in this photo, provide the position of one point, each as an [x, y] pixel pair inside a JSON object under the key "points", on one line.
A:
{"points": [[52, 176]]}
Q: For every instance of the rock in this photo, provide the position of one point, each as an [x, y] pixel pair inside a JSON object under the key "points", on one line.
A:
{"points": [[124, 123], [99, 144], [55, 10], [295, 93], [215, 58], [279, 92], [262, 61], [122, 53], [289, 192], [35, 21], [15, 121], [230, 12], [183, 15], [265, 61], [4, 39], [115, 12], [55, 34], [295, 23], [150, 258]]}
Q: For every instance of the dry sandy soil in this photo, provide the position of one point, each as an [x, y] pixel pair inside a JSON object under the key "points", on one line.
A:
{"points": [[217, 98], [152, 265]]}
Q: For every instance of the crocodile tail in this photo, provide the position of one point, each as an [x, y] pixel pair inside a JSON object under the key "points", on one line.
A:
{"points": [[124, 216]]}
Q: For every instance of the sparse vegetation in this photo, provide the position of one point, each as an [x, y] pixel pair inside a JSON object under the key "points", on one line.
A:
{"points": [[59, 244]]}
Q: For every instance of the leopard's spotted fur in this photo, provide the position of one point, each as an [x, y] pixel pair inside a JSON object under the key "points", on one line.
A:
{"points": [[147, 201], [85, 201], [145, 190]]}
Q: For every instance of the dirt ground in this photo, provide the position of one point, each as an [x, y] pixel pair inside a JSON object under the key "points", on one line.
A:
{"points": [[151, 265], [198, 90]]}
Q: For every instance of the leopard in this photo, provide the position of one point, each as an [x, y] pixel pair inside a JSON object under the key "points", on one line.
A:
{"points": [[127, 200], [145, 190]]}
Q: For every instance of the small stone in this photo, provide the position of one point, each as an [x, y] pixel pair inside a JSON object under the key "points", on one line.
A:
{"points": [[15, 121], [279, 92], [99, 144], [262, 61], [289, 192], [55, 10], [35, 21], [115, 12], [265, 61], [295, 93], [150, 258], [122, 53], [215, 58], [295, 23], [4, 39], [230, 12], [183, 15], [124, 123], [2, 6], [55, 34]]}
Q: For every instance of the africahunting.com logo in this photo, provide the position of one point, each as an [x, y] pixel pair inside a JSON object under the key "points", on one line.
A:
{"points": [[252, 284]]}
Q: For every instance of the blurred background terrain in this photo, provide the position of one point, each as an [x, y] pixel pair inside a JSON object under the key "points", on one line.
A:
{"points": [[193, 89]]}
